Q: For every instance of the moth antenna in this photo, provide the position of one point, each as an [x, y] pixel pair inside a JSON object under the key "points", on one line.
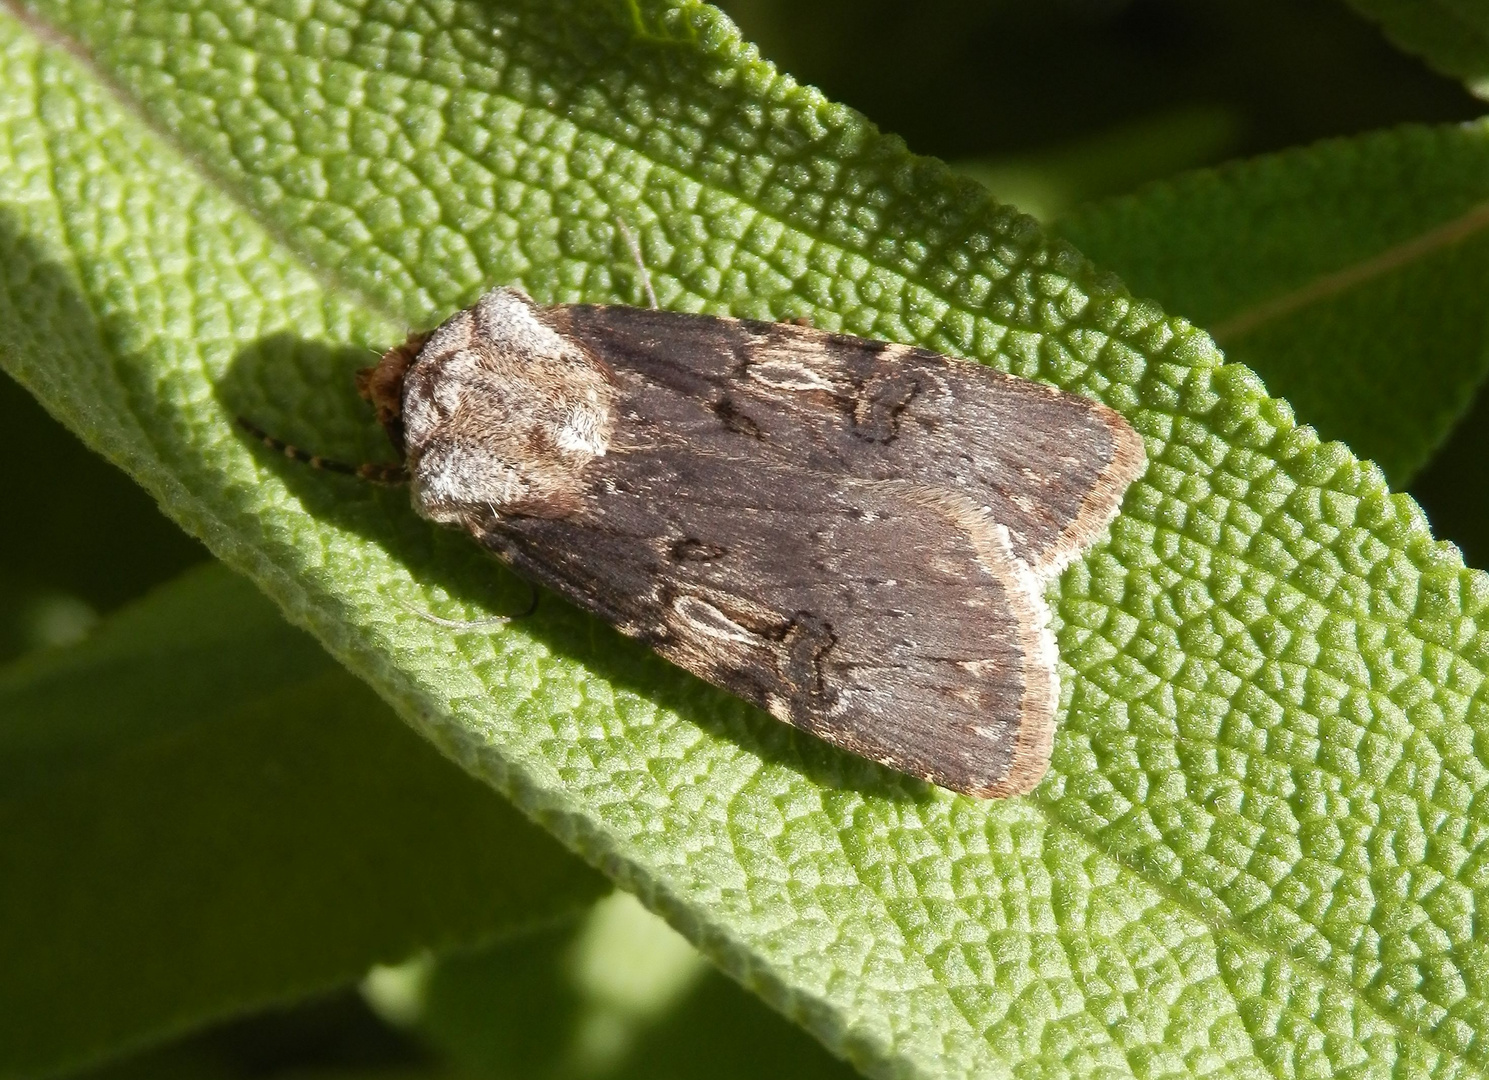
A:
{"points": [[374, 472], [473, 624], [651, 296]]}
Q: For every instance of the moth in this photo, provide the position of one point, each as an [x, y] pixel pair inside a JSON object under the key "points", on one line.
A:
{"points": [[851, 534]]}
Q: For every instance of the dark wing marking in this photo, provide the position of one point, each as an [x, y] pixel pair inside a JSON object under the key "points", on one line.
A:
{"points": [[1051, 466], [891, 622]]}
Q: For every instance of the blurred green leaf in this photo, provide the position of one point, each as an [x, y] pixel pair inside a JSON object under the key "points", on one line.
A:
{"points": [[203, 814], [1259, 847], [1451, 35], [1346, 274], [58, 569], [1454, 487], [330, 1037], [1049, 182], [1001, 79], [619, 996]]}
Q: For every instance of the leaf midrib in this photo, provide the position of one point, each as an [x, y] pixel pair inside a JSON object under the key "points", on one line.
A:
{"points": [[1325, 287]]}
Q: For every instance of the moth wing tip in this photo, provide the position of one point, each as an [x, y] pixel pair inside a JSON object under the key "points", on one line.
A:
{"points": [[1103, 500]]}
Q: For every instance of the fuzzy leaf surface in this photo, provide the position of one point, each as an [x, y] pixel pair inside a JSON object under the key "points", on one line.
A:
{"points": [[1260, 850], [1346, 274]]}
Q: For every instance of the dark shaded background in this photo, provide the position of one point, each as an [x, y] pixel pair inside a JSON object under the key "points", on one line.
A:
{"points": [[968, 79]]}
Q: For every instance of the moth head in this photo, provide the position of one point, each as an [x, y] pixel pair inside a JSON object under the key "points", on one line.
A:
{"points": [[496, 412], [382, 385]]}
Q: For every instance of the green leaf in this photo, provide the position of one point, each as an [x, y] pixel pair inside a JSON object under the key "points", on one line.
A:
{"points": [[1049, 182], [203, 815], [1259, 850], [618, 996], [1346, 274], [1451, 35], [334, 1036], [57, 570], [1453, 487]]}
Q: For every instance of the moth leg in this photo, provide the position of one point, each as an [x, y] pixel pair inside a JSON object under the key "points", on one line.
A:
{"points": [[375, 472], [635, 249], [650, 293], [489, 623]]}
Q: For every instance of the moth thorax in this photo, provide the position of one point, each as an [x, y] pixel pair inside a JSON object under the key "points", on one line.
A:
{"points": [[503, 416]]}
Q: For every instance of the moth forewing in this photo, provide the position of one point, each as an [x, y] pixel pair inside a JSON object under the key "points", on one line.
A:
{"points": [[857, 610], [1050, 466], [849, 534]]}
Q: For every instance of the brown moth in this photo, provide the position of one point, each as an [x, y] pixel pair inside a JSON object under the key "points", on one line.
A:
{"points": [[850, 534]]}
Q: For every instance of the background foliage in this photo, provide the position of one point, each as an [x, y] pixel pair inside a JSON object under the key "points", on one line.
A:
{"points": [[1260, 848]]}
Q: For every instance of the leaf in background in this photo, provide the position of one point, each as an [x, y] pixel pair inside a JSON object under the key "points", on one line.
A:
{"points": [[1454, 487], [1259, 848], [58, 570], [1047, 183], [1347, 274], [620, 996], [329, 1037], [1451, 35], [203, 815], [1005, 78]]}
